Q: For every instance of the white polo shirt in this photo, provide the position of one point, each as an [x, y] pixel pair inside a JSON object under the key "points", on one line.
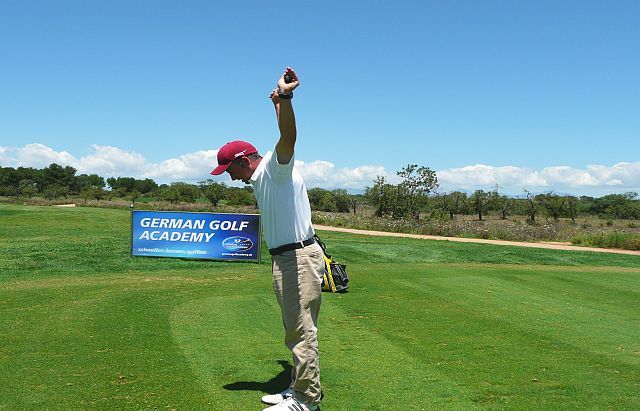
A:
{"points": [[283, 201]]}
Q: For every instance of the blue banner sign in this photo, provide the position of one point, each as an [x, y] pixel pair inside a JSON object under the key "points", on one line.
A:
{"points": [[195, 235]]}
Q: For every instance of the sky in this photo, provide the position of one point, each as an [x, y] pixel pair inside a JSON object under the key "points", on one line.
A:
{"points": [[542, 95]]}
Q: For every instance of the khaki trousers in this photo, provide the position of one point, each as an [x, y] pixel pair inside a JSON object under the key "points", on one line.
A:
{"points": [[297, 278]]}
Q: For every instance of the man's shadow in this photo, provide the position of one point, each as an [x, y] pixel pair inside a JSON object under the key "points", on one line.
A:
{"points": [[275, 385]]}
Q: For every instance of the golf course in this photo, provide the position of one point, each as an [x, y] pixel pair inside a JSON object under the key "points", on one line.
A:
{"points": [[426, 325]]}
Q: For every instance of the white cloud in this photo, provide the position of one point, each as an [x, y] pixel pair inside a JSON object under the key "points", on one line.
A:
{"points": [[325, 174], [35, 155], [484, 175], [4, 156], [186, 167], [621, 175], [109, 161], [567, 176]]}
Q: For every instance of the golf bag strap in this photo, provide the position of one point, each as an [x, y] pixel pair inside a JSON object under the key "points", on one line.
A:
{"points": [[322, 245]]}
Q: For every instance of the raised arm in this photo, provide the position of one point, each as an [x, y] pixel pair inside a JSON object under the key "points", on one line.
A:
{"points": [[281, 99]]}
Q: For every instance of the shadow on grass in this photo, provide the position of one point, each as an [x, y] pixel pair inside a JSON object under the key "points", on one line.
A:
{"points": [[275, 385]]}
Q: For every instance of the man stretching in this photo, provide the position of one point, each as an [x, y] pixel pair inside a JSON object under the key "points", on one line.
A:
{"points": [[297, 260]]}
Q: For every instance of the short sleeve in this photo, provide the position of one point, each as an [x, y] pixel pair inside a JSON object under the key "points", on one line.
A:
{"points": [[281, 170]]}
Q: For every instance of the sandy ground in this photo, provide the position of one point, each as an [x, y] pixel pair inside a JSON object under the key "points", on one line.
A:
{"points": [[548, 245]]}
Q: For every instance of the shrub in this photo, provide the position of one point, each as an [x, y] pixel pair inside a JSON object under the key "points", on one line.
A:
{"points": [[615, 239]]}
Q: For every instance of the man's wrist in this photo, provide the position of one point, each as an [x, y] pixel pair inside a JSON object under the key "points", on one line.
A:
{"points": [[283, 96]]}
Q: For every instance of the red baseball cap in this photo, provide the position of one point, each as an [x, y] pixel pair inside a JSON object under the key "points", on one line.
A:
{"points": [[230, 152]]}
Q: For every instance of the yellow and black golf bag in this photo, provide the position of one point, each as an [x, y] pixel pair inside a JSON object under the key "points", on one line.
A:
{"points": [[335, 278]]}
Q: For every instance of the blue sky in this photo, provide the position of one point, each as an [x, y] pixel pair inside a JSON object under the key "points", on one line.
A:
{"points": [[537, 94]]}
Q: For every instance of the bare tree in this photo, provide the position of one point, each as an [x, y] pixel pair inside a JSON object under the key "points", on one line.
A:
{"points": [[531, 205]]}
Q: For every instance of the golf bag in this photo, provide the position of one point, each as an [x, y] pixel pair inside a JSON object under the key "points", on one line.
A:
{"points": [[335, 278]]}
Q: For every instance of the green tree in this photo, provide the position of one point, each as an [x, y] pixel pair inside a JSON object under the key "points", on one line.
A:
{"points": [[531, 205], [213, 191], [327, 201], [617, 206], [57, 176], [146, 186], [84, 181], [55, 191], [240, 196], [186, 192], [9, 181], [170, 193], [96, 193], [27, 188], [455, 203], [133, 196], [502, 203], [353, 203], [553, 204], [28, 173], [342, 200], [119, 192], [382, 196], [572, 208], [315, 196], [480, 202], [417, 183], [128, 184]]}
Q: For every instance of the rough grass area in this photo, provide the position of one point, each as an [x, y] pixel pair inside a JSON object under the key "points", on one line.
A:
{"points": [[626, 241], [426, 325], [587, 231]]}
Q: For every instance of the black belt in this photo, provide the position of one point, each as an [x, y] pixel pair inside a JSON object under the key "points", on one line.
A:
{"points": [[292, 246]]}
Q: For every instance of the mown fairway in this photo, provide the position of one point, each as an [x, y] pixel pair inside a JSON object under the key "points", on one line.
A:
{"points": [[427, 324]]}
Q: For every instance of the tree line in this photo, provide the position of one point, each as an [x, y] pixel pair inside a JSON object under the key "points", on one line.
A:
{"points": [[551, 205], [416, 194], [56, 181]]}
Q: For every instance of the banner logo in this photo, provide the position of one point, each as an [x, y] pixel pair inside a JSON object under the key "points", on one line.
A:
{"points": [[237, 243]]}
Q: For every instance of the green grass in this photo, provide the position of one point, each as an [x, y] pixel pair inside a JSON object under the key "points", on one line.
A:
{"points": [[427, 324]]}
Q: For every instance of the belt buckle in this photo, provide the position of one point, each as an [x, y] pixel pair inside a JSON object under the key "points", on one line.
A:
{"points": [[301, 244]]}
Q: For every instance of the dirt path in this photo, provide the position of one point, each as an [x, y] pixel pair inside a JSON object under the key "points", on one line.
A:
{"points": [[548, 245]]}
